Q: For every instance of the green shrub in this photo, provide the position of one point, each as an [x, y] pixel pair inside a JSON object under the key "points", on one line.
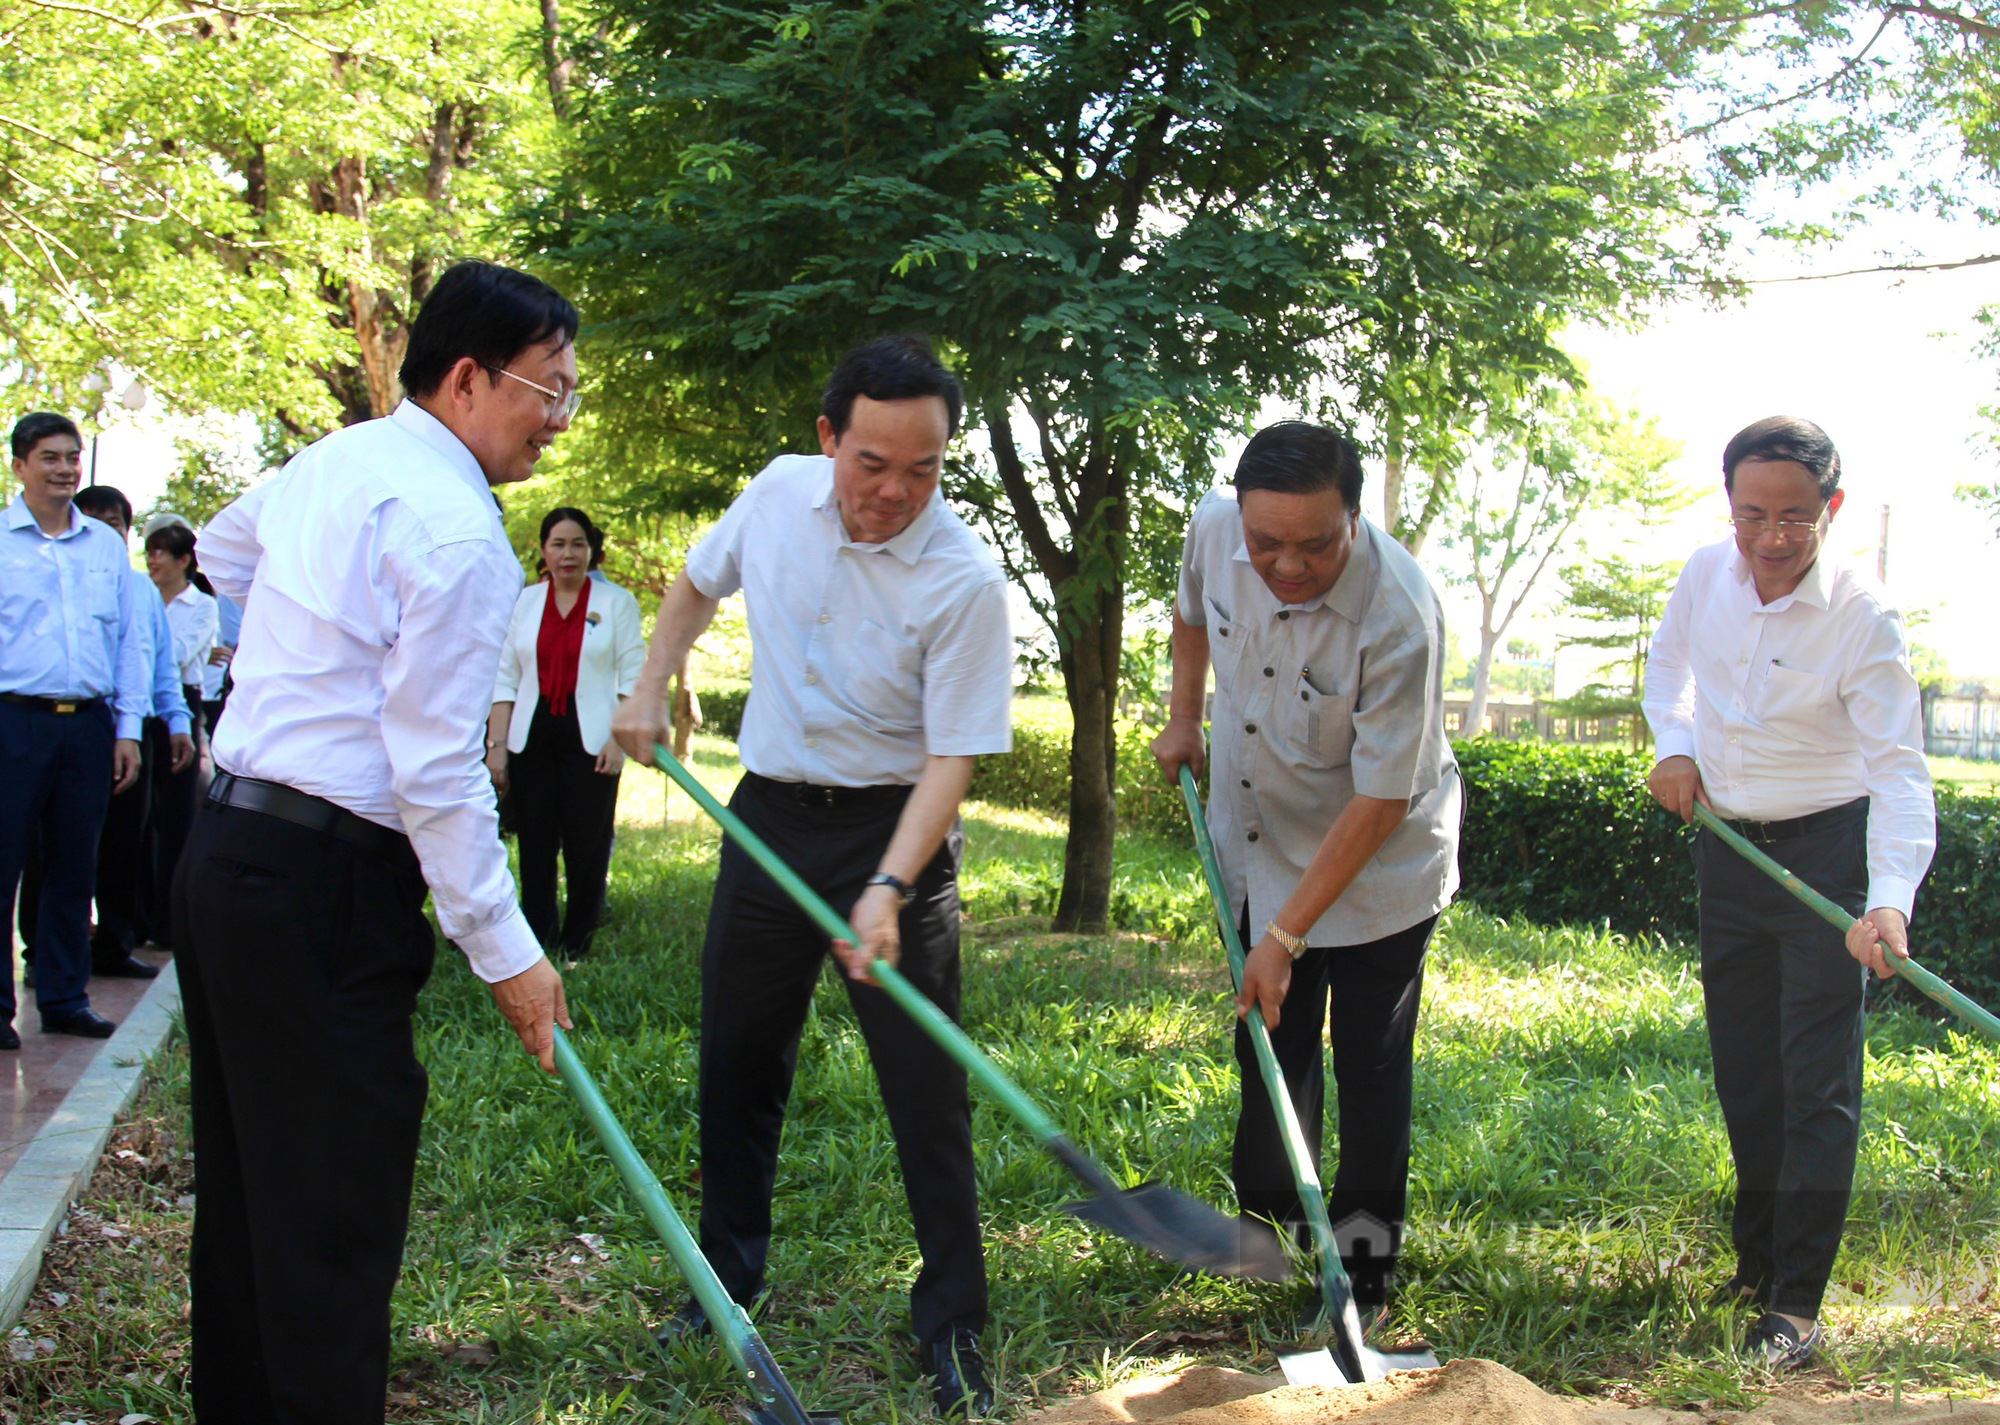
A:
{"points": [[1957, 922], [722, 708], [1561, 834]]}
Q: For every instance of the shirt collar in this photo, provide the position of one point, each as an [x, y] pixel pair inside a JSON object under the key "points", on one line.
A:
{"points": [[20, 516], [1815, 590], [419, 423], [907, 546], [1348, 596]]}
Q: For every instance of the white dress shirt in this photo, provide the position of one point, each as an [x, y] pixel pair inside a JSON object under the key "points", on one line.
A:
{"points": [[867, 658], [192, 617], [614, 650], [1796, 706], [383, 583], [1314, 704]]}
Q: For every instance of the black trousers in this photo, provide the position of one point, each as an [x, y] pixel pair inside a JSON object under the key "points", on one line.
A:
{"points": [[175, 795], [120, 841], [1785, 1008], [562, 804], [55, 779], [1368, 996], [300, 963], [759, 963]]}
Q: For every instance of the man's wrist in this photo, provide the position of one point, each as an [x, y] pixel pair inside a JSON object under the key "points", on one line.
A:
{"points": [[896, 885], [1294, 945]]}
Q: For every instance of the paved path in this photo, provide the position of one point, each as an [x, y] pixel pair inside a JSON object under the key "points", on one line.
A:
{"points": [[59, 1096]]}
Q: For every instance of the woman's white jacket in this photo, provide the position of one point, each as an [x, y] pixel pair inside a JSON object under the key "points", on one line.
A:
{"points": [[613, 653]]}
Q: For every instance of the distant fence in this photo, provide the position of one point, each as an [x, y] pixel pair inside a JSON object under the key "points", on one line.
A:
{"points": [[1962, 726], [1514, 721], [1954, 726]]}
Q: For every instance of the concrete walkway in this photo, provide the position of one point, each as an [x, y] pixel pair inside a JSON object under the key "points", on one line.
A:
{"points": [[59, 1096]]}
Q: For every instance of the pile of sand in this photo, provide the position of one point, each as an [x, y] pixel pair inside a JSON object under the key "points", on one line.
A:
{"points": [[1465, 1392]]}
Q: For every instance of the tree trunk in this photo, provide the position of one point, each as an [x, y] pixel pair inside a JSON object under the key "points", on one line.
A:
{"points": [[1482, 678], [687, 712], [1093, 637]]}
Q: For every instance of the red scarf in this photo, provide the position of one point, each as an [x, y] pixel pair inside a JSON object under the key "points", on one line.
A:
{"points": [[559, 649]]}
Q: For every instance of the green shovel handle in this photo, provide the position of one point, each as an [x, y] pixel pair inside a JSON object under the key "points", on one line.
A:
{"points": [[933, 1020], [1966, 1009], [731, 1324], [1334, 1286]]}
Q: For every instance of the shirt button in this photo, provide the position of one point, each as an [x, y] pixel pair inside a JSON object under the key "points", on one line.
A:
{"points": [[1246, 781], [1249, 727], [812, 742], [1284, 614], [811, 678], [1253, 836], [826, 618], [1733, 741], [1305, 697], [1269, 672]]}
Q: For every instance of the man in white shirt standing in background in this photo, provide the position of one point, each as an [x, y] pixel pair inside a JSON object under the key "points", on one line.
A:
{"points": [[1779, 693], [350, 778], [883, 668]]}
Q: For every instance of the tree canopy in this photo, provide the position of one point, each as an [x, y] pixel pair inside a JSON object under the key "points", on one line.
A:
{"points": [[1132, 225]]}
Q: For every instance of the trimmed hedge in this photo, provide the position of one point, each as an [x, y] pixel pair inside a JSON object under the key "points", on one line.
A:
{"points": [[1554, 832]]}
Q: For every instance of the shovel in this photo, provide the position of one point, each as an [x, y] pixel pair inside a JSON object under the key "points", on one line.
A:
{"points": [[1966, 1009], [775, 1401], [1153, 1215], [1358, 1362]]}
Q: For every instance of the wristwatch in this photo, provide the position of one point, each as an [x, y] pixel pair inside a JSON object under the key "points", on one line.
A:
{"points": [[1292, 943], [903, 889]]}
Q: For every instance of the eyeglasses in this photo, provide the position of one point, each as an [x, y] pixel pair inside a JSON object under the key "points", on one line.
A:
{"points": [[560, 405], [1784, 531]]}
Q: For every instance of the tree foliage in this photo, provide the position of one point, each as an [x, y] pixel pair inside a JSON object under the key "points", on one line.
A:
{"points": [[243, 203], [1132, 224]]}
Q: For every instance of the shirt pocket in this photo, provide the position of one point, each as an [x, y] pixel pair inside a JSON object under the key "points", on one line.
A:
{"points": [[885, 681], [1225, 639], [1321, 720], [1793, 703]]}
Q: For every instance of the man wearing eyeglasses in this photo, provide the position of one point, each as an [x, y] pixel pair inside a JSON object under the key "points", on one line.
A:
{"points": [[1779, 693], [376, 581]]}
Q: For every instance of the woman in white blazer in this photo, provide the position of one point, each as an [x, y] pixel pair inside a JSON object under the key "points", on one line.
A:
{"points": [[572, 654]]}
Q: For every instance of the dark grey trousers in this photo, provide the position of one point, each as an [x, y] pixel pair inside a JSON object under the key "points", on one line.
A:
{"points": [[1785, 1021]]}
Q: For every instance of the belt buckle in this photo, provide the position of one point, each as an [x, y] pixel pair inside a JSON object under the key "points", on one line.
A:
{"points": [[62, 706]]}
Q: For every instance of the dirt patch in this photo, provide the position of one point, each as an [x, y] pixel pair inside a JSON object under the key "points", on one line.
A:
{"points": [[1467, 1390]]}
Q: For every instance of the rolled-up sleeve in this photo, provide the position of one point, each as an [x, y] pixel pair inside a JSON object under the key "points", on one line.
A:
{"points": [[437, 686]]}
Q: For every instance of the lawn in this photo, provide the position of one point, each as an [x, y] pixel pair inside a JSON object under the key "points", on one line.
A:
{"points": [[1568, 1215]]}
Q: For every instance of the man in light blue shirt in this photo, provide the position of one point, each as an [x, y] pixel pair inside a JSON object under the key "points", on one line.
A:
{"points": [[73, 692]]}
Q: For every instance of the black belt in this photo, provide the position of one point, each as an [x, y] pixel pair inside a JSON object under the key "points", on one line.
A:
{"points": [[313, 813], [812, 795], [62, 707], [1765, 832]]}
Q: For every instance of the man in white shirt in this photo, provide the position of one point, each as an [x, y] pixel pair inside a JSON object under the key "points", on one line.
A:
{"points": [[882, 670], [349, 779], [1779, 693], [1334, 802]]}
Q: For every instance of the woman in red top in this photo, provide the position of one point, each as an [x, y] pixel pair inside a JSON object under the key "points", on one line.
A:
{"points": [[571, 656]]}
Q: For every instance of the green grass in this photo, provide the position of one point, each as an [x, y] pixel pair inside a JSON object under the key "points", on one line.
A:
{"points": [[1965, 774], [1569, 1203]]}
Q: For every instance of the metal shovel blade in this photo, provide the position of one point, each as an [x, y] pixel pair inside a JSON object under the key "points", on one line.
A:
{"points": [[1187, 1230], [1308, 1365], [780, 1405]]}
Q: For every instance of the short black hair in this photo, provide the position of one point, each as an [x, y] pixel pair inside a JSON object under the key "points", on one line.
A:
{"points": [[487, 312], [37, 426], [582, 521], [1785, 438], [101, 500], [890, 368], [1300, 458]]}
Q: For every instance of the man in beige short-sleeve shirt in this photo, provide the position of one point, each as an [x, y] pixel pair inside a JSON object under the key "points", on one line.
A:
{"points": [[1334, 801]]}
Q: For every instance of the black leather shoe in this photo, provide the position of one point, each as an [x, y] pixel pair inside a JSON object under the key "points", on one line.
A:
{"points": [[10, 1038], [690, 1323], [84, 1023], [961, 1389], [129, 968]]}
